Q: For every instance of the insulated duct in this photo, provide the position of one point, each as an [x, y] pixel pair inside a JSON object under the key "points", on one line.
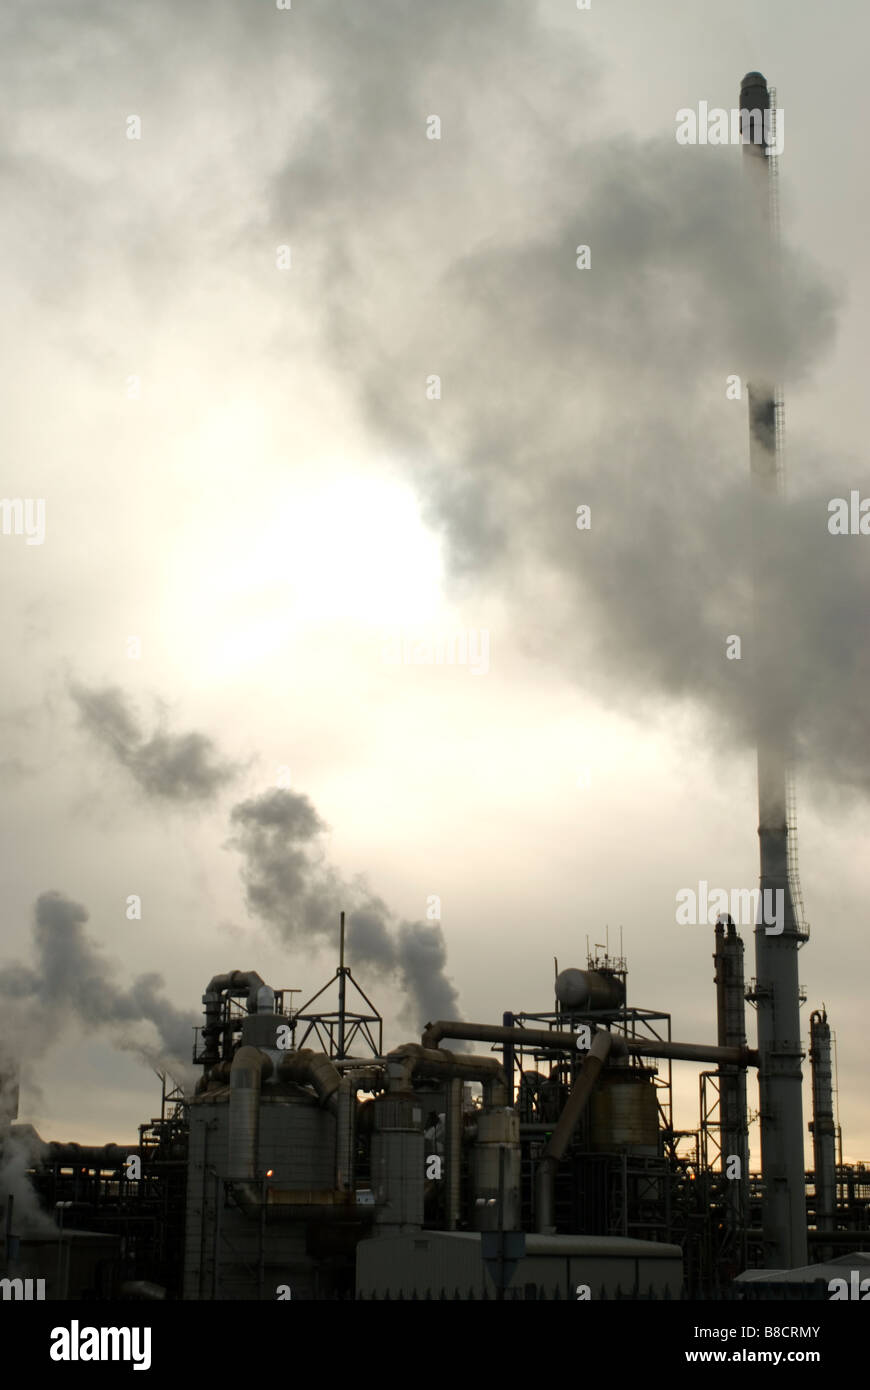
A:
{"points": [[236, 983], [397, 1144], [453, 1146], [250, 1068], [567, 1042], [545, 1177], [411, 1060], [104, 1156]]}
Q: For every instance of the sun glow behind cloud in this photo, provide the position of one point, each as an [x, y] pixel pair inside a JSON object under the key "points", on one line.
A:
{"points": [[350, 548]]}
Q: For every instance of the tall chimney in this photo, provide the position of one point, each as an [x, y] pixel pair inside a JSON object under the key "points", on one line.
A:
{"points": [[777, 943]]}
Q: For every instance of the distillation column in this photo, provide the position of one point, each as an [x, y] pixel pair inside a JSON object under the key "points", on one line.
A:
{"points": [[822, 1125], [731, 1016]]}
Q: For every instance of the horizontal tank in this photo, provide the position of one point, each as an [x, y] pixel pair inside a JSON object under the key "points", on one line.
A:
{"points": [[589, 989]]}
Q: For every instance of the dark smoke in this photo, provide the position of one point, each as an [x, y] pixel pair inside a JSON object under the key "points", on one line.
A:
{"points": [[173, 767], [71, 979], [289, 886], [287, 882]]}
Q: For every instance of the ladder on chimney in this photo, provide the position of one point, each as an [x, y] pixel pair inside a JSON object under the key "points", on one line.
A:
{"points": [[794, 882], [773, 195]]}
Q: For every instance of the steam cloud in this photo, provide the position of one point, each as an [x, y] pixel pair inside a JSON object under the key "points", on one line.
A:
{"points": [[173, 767], [563, 386], [20, 1151], [72, 979], [289, 885], [560, 386]]}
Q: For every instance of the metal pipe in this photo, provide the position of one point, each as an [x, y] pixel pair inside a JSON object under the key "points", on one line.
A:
{"points": [[399, 1206], [250, 1067], [312, 1069], [345, 1136], [341, 993], [234, 982], [453, 1120], [363, 1079], [413, 1060], [567, 1042], [545, 1177], [507, 1057], [87, 1156], [215, 1281]]}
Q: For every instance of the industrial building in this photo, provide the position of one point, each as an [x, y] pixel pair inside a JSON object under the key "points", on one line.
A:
{"points": [[309, 1164]]}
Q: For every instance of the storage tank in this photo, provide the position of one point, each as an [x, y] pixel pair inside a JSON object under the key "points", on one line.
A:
{"points": [[398, 1163], [624, 1112], [497, 1167], [592, 990], [244, 1252]]}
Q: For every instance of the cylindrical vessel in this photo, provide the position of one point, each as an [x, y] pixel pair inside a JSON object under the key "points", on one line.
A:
{"points": [[822, 1125], [497, 1168], [589, 989], [625, 1113], [398, 1159], [731, 1015]]}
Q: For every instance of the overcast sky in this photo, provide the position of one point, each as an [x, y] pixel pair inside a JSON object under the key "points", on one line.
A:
{"points": [[218, 373]]}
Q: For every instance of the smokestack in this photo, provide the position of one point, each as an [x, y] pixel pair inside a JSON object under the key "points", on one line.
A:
{"points": [[731, 1015], [776, 994], [822, 1125]]}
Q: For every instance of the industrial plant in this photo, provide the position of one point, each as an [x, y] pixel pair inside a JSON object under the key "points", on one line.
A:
{"points": [[310, 1164], [532, 1157]]}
